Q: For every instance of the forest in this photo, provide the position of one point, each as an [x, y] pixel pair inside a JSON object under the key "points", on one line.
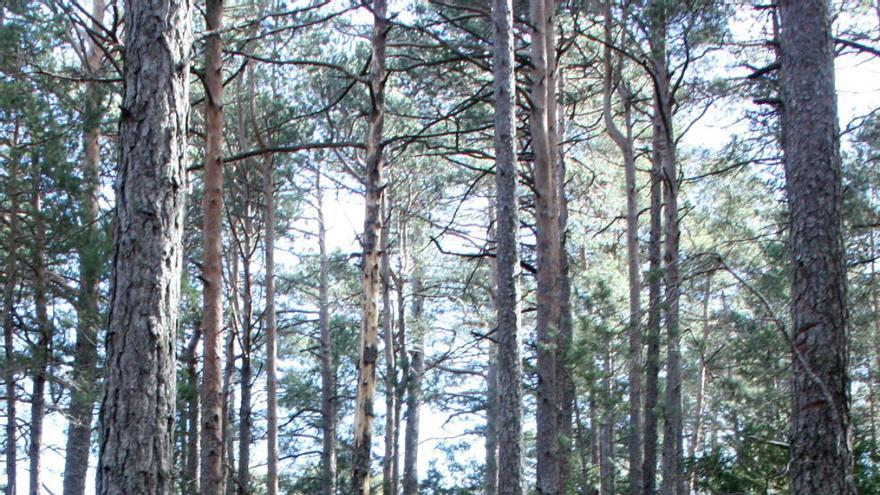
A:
{"points": [[440, 247]]}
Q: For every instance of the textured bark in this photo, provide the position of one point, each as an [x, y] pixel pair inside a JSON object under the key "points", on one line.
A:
{"points": [[414, 388], [624, 141], [491, 481], [212, 470], [510, 436], [821, 448], [11, 272], [85, 354], [271, 332], [366, 390], [245, 411], [43, 349], [328, 375], [664, 143], [652, 355], [543, 133], [389, 461], [137, 409]]}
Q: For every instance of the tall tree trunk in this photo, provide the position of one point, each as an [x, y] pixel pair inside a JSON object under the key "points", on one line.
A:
{"points": [[606, 426], [85, 354], [543, 129], [652, 357], [414, 388], [624, 142], [213, 468], [821, 448], [138, 407], [191, 469], [389, 462], [673, 477], [8, 316], [328, 375], [232, 260], [491, 480], [271, 332], [245, 412], [43, 350], [697, 439], [366, 390], [510, 436]]}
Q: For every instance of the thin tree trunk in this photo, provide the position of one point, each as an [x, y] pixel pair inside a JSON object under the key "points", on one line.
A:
{"points": [[138, 406], [366, 390], [821, 443], [673, 477], [697, 440], [543, 124], [491, 483], [328, 375], [85, 354], [271, 332], [8, 316], [652, 357], [191, 469], [403, 357], [245, 412], [624, 142], [229, 370], [43, 350], [606, 427], [414, 388], [212, 463], [389, 462], [510, 436]]}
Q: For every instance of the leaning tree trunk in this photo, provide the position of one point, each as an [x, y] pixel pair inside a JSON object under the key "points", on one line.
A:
{"points": [[85, 354], [328, 375], [138, 407], [414, 388], [366, 388], [543, 129], [510, 435], [43, 349], [821, 449]]}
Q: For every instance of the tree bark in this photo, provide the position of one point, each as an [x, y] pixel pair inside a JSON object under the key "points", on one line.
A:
{"points": [[697, 439], [271, 332], [245, 411], [624, 142], [43, 349], [212, 463], [491, 482], [229, 369], [85, 356], [510, 435], [328, 375], [414, 388], [138, 406], [191, 468], [821, 443], [543, 129], [372, 226], [389, 462], [606, 426], [652, 356]]}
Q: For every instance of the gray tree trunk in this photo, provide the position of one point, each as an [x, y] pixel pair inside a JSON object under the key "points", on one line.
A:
{"points": [[510, 436], [138, 406], [414, 388], [328, 375], [11, 271], [821, 443], [389, 461]]}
